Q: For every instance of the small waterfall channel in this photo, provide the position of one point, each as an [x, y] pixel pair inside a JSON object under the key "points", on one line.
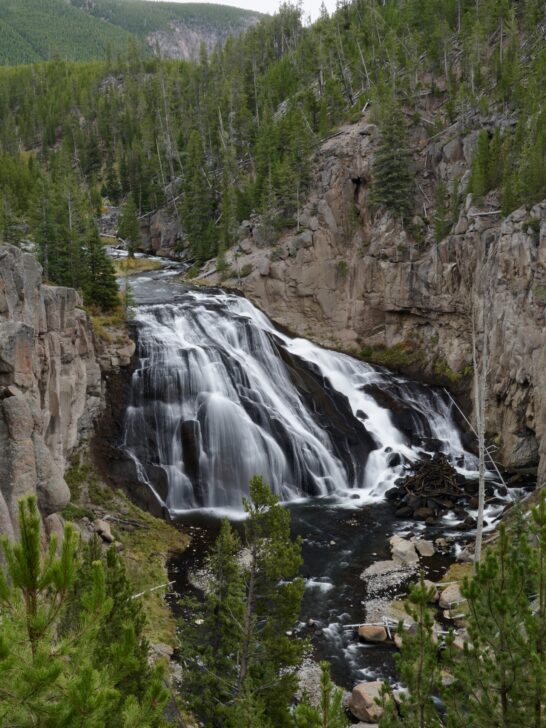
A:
{"points": [[219, 394]]}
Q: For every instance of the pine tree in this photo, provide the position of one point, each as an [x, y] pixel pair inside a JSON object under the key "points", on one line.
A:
{"points": [[479, 181], [51, 673], [100, 287], [129, 226], [329, 713], [197, 204], [418, 667], [491, 673], [441, 221], [241, 659], [216, 641], [392, 179]]}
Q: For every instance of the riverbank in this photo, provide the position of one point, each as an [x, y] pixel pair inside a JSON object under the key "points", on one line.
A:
{"points": [[146, 543]]}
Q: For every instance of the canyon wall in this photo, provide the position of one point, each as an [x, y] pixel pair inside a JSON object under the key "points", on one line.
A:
{"points": [[356, 280], [50, 384]]}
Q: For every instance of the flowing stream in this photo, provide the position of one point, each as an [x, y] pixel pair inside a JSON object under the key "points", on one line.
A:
{"points": [[220, 394]]}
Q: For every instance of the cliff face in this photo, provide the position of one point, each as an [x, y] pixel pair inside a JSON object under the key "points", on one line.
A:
{"points": [[184, 41], [358, 281], [50, 384]]}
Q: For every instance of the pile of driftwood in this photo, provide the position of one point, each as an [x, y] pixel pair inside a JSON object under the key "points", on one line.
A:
{"points": [[433, 489], [434, 479]]}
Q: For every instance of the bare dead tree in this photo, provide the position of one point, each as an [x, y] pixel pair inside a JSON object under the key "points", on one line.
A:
{"points": [[480, 399]]}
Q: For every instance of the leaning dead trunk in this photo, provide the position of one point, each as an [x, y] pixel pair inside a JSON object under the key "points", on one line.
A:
{"points": [[480, 396]]}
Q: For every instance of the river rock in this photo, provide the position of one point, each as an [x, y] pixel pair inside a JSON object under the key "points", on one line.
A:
{"points": [[424, 548], [372, 633], [102, 527], [403, 550], [362, 702], [433, 589], [450, 597]]}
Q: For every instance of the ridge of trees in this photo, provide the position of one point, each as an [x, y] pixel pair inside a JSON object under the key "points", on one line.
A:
{"points": [[233, 134]]}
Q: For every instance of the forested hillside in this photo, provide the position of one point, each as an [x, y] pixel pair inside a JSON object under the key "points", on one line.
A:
{"points": [[233, 134], [34, 30]]}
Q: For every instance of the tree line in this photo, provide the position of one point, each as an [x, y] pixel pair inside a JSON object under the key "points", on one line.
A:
{"points": [[233, 134]]}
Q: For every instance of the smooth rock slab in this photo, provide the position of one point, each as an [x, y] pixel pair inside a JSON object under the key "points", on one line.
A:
{"points": [[362, 702], [372, 633], [403, 551], [451, 596]]}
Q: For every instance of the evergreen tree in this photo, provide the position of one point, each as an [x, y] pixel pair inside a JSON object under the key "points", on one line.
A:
{"points": [[330, 712], [392, 179], [215, 644], [197, 204], [100, 287], [50, 671], [241, 659], [129, 226], [418, 668], [441, 221]]}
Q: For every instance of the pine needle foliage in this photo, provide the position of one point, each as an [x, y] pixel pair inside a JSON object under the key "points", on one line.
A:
{"points": [[241, 656], [53, 667]]}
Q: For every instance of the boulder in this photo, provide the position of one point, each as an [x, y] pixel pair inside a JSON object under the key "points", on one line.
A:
{"points": [[424, 548], [373, 633], [432, 587], [403, 550], [102, 527], [451, 596], [362, 702]]}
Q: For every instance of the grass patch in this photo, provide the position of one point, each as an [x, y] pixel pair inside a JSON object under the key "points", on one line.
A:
{"points": [[147, 542], [342, 268], [540, 293], [458, 572], [193, 272], [105, 324], [131, 266], [404, 354], [74, 512], [442, 369], [246, 270], [146, 551]]}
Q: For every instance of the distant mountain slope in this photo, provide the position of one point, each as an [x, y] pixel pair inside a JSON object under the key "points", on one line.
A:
{"points": [[32, 30]]}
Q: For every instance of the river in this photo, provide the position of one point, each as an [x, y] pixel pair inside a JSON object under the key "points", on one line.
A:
{"points": [[219, 394]]}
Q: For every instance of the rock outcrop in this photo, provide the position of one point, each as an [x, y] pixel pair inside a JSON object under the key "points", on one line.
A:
{"points": [[50, 385], [357, 280]]}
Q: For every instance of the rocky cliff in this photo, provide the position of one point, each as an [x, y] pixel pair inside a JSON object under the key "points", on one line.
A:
{"points": [[357, 280], [50, 384]]}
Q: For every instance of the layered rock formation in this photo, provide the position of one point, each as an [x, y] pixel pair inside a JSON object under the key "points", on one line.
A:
{"points": [[356, 280], [50, 384]]}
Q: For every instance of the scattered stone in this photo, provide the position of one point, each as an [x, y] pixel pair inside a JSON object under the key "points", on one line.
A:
{"points": [[162, 650], [309, 677], [371, 633], [362, 702], [403, 550], [430, 585], [54, 526], [424, 548], [102, 527], [451, 596]]}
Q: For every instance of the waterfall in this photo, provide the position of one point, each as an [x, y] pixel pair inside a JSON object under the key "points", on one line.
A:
{"points": [[219, 395]]}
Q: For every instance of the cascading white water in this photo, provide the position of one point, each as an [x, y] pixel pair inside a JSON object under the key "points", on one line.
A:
{"points": [[219, 395]]}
